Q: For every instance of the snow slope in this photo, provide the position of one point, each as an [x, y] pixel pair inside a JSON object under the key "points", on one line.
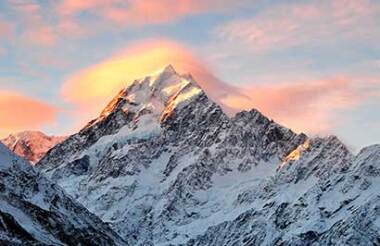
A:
{"points": [[35, 211]]}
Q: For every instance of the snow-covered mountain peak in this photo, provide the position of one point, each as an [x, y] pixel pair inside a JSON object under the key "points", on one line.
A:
{"points": [[31, 145], [25, 134], [164, 165], [163, 85], [166, 71], [157, 95]]}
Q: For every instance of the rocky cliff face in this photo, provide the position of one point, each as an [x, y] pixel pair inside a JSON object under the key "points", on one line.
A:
{"points": [[164, 165], [327, 197], [31, 145], [35, 211]]}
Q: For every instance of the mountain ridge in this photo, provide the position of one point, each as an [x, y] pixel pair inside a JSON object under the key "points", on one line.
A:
{"points": [[35, 211], [31, 145], [186, 177]]}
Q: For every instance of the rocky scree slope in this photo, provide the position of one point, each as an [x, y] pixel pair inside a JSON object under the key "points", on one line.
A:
{"points": [[164, 165], [35, 211]]}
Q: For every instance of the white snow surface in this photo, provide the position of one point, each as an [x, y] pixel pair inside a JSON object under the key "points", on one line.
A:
{"points": [[43, 213]]}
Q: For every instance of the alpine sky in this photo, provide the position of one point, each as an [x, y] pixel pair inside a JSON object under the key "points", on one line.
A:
{"points": [[313, 66]]}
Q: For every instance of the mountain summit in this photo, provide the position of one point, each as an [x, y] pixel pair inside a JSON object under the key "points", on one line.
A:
{"points": [[31, 145], [163, 164], [156, 95]]}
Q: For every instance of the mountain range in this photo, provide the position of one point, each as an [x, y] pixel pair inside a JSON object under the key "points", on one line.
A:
{"points": [[164, 165]]}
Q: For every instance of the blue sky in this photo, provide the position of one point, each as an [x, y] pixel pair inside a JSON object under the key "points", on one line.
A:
{"points": [[313, 66]]}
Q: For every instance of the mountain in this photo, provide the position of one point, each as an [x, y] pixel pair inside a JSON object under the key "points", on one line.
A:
{"points": [[35, 211], [164, 165], [31, 145]]}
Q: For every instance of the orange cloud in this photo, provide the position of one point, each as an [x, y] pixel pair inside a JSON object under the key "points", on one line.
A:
{"points": [[92, 87], [19, 112]]}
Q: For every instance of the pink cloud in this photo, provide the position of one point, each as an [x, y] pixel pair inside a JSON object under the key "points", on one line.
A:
{"points": [[34, 29], [136, 12], [40, 35], [289, 25], [155, 12], [71, 28], [19, 112], [43, 27], [5, 29], [71, 7], [26, 7], [309, 106]]}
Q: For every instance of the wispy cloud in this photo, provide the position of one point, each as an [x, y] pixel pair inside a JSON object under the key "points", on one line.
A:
{"points": [[304, 63], [45, 24], [40, 35], [5, 29], [20, 112], [6, 32], [34, 29], [309, 106], [315, 22], [135, 12], [40, 25]]}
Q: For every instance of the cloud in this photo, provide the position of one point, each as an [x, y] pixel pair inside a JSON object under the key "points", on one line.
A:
{"points": [[316, 22], [6, 34], [72, 28], [39, 25], [157, 12], [136, 12], [308, 106], [35, 29], [40, 35], [47, 23], [6, 30], [19, 112], [91, 88]]}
